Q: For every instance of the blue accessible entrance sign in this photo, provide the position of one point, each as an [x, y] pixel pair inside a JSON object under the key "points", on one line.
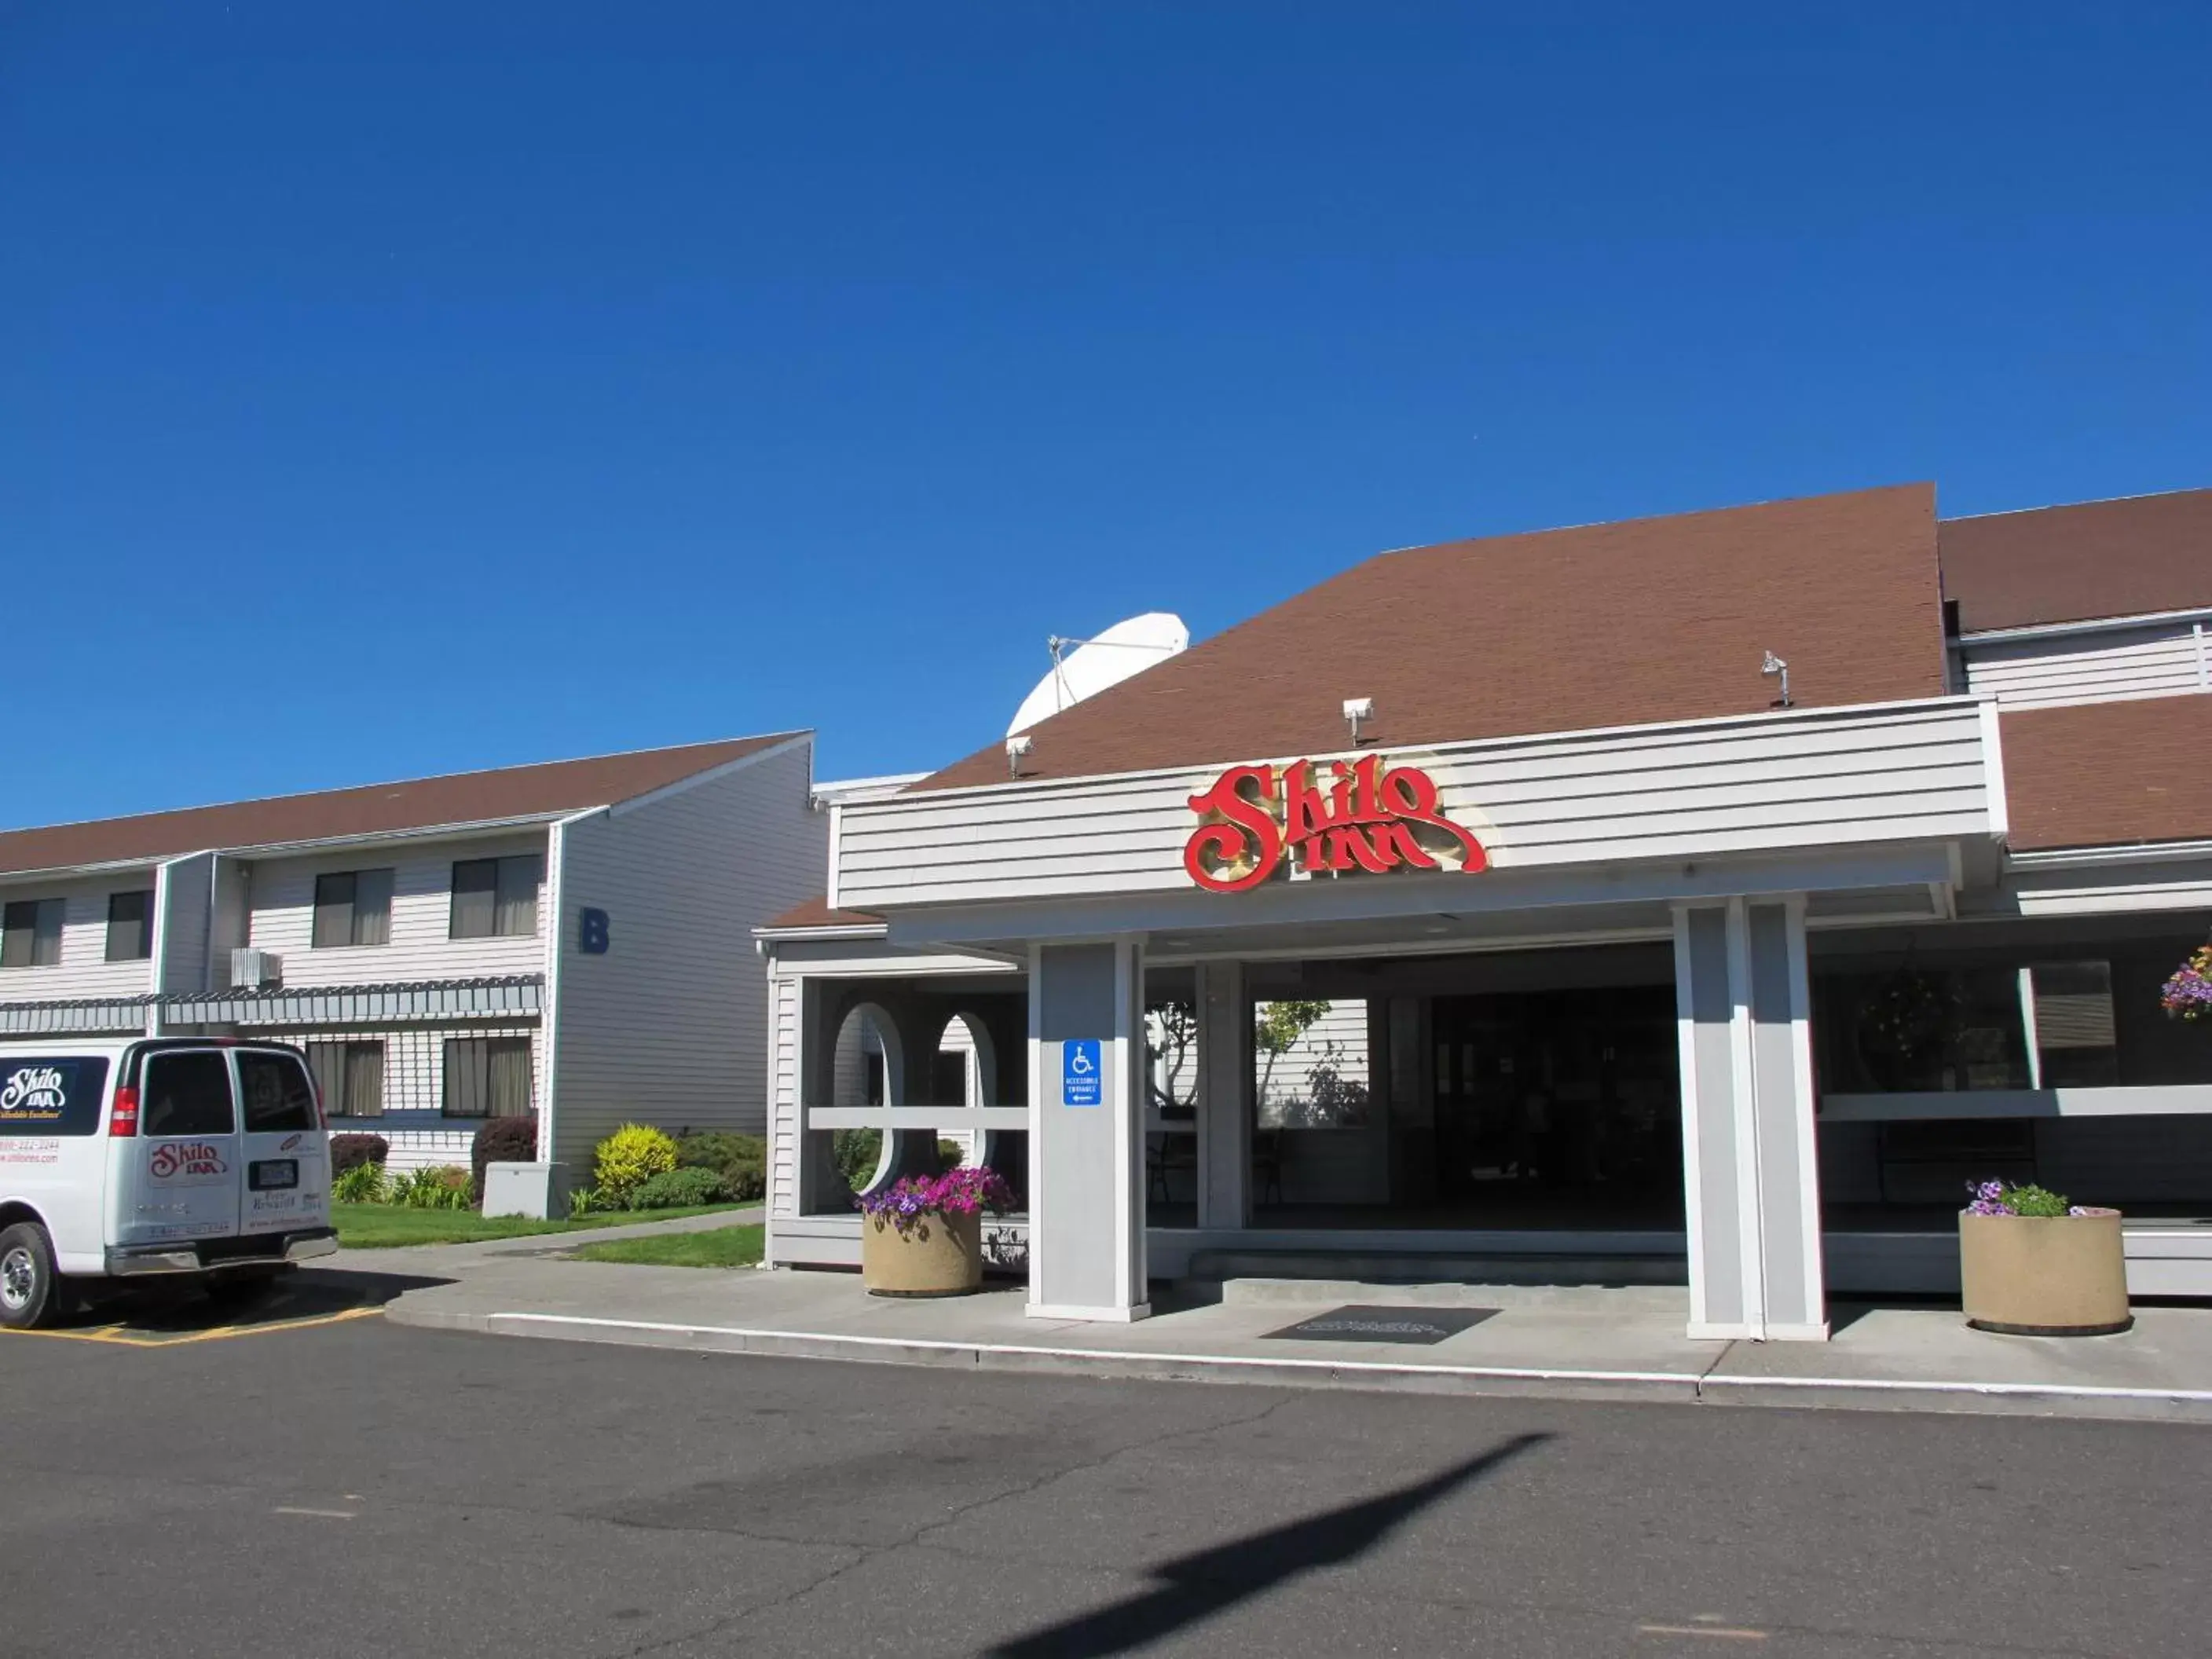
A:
{"points": [[1079, 1083]]}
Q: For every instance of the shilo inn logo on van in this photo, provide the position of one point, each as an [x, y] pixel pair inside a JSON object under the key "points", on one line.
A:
{"points": [[35, 1092], [186, 1161]]}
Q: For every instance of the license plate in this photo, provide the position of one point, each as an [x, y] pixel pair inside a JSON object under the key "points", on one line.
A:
{"points": [[272, 1173]]}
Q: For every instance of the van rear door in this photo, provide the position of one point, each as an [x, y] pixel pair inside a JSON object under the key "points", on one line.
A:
{"points": [[187, 1171], [285, 1184]]}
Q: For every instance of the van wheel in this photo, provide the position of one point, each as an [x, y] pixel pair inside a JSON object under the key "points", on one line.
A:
{"points": [[26, 1277]]}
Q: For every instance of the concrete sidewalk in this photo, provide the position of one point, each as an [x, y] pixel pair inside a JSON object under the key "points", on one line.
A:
{"points": [[1593, 1343]]}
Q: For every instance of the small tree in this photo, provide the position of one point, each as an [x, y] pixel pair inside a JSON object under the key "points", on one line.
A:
{"points": [[1276, 1029], [1171, 1033]]}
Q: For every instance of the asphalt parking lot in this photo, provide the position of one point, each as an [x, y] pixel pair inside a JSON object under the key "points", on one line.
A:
{"points": [[342, 1485]]}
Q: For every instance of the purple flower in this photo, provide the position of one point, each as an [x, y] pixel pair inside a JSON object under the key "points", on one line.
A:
{"points": [[964, 1191]]}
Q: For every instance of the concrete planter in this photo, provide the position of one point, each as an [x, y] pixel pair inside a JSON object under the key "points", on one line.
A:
{"points": [[938, 1254], [2045, 1275]]}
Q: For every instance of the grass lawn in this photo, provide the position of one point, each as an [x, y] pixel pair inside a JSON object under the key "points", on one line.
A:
{"points": [[721, 1247], [386, 1226]]}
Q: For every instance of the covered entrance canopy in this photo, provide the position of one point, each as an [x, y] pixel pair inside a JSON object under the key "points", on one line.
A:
{"points": [[1596, 1043]]}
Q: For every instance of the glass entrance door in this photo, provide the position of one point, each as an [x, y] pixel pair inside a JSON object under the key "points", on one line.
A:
{"points": [[1559, 1108]]}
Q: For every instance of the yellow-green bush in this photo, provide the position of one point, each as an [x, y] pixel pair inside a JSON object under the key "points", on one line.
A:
{"points": [[629, 1157]]}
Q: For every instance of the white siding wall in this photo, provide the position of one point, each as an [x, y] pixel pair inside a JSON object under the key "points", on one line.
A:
{"points": [[783, 1096], [1820, 778], [670, 1026], [84, 970], [2109, 666], [283, 900]]}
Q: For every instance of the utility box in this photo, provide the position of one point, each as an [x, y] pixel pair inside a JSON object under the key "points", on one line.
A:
{"points": [[539, 1191], [256, 971]]}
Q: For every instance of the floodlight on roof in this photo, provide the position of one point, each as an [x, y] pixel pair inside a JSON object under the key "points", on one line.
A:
{"points": [[1016, 747], [1356, 709]]}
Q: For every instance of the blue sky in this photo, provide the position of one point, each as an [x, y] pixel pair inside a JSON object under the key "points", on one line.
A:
{"points": [[391, 389]]}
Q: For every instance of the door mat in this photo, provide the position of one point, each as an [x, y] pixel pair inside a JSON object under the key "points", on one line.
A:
{"points": [[1421, 1325]]}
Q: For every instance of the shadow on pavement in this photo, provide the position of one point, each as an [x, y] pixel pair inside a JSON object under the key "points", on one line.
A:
{"points": [[179, 1307], [1199, 1585]]}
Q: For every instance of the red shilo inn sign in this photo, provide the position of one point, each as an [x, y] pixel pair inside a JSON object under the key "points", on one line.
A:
{"points": [[1369, 819]]}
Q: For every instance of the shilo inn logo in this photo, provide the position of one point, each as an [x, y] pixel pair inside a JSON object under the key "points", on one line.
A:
{"points": [[35, 1092]]}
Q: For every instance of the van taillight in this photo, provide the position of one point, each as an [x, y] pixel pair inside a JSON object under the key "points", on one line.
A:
{"points": [[123, 1121]]}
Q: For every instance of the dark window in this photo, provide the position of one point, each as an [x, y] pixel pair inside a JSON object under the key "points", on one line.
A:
{"points": [[350, 1076], [496, 898], [353, 906], [50, 1097], [273, 1088], [129, 926], [948, 1078], [31, 933], [487, 1077], [187, 1094]]}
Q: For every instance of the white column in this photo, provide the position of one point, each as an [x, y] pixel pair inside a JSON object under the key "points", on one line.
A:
{"points": [[1225, 1097], [1750, 1154], [1087, 1132]]}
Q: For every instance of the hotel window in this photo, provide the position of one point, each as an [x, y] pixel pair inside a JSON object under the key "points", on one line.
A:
{"points": [[353, 906], [496, 898], [31, 933], [350, 1077], [487, 1077], [129, 926], [2076, 1032]]}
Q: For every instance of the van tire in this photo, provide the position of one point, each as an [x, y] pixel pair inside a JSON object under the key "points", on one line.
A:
{"points": [[29, 1289]]}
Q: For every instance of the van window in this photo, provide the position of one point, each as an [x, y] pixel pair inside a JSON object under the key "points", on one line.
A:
{"points": [[50, 1096], [274, 1092], [186, 1095]]}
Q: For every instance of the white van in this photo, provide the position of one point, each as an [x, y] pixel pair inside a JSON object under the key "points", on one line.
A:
{"points": [[159, 1155]]}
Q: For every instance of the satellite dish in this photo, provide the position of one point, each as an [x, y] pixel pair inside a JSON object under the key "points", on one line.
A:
{"points": [[1108, 659]]}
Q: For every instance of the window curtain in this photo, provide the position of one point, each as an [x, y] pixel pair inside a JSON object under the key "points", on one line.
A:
{"points": [[364, 1079], [372, 907], [518, 896], [46, 938], [509, 1079], [326, 1060], [129, 937], [333, 911], [475, 883], [467, 1085]]}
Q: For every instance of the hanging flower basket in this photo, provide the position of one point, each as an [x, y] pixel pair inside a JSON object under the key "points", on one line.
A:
{"points": [[2188, 995], [922, 1235], [2030, 1264]]}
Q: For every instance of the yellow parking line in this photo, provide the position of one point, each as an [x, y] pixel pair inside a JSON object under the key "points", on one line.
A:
{"points": [[111, 1333]]}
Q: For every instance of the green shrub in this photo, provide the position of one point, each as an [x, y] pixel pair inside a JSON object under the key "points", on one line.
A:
{"points": [[586, 1200], [856, 1152], [741, 1161], [948, 1154], [364, 1184], [445, 1187], [2034, 1200], [629, 1157], [675, 1188]]}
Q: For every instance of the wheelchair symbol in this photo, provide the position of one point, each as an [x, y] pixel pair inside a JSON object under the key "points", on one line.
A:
{"points": [[1080, 1064]]}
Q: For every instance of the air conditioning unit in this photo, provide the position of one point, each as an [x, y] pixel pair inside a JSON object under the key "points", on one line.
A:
{"points": [[256, 970]]}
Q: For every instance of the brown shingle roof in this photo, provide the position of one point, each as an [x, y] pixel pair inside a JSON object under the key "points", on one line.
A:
{"points": [[512, 792], [1655, 619], [817, 912], [2124, 558], [2109, 774]]}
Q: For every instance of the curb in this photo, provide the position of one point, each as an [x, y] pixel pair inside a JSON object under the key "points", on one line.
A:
{"points": [[1864, 1394]]}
